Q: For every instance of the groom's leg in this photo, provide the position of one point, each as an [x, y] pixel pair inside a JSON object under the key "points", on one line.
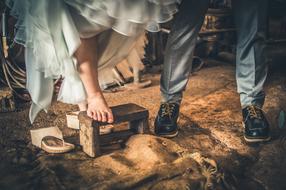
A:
{"points": [[178, 63], [180, 47], [251, 22], [251, 70]]}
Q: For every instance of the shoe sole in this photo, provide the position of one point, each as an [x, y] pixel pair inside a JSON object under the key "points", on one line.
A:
{"points": [[255, 140], [57, 149], [168, 135]]}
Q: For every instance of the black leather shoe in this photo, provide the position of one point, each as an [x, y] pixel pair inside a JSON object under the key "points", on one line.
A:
{"points": [[256, 126], [166, 120]]}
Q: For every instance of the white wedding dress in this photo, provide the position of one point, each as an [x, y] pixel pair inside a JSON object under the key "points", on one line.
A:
{"points": [[51, 31]]}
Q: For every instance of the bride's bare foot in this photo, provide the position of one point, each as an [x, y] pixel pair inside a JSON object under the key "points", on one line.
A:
{"points": [[98, 109]]}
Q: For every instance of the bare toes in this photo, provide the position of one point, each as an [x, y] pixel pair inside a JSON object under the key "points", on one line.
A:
{"points": [[110, 117], [103, 116], [99, 118], [95, 117], [90, 114]]}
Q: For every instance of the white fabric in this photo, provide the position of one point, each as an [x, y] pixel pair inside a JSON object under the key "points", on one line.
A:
{"points": [[51, 31]]}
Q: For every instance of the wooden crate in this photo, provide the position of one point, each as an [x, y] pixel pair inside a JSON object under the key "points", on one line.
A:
{"points": [[90, 139]]}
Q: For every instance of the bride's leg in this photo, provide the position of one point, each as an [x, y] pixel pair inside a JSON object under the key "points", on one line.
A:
{"points": [[86, 56]]}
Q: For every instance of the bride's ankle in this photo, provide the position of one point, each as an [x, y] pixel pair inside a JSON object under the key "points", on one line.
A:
{"points": [[94, 96]]}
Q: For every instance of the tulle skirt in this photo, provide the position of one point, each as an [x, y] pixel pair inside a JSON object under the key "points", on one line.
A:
{"points": [[51, 31]]}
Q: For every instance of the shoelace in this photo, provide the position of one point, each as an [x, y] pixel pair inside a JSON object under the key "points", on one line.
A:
{"points": [[254, 112], [167, 109]]}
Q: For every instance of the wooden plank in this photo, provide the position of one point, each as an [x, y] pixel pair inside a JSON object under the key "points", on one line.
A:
{"points": [[124, 68], [123, 113], [115, 137], [129, 112]]}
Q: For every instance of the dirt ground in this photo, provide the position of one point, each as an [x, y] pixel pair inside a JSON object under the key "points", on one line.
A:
{"points": [[210, 132]]}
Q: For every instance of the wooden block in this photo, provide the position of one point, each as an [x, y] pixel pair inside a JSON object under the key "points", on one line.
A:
{"points": [[135, 115], [89, 136], [7, 103], [128, 112], [72, 120]]}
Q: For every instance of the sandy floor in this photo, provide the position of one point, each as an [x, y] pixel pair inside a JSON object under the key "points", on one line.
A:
{"points": [[210, 124]]}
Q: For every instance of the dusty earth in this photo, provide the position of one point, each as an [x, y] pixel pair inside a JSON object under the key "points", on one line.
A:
{"points": [[210, 134]]}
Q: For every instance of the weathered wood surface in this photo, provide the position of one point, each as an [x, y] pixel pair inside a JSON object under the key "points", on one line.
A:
{"points": [[115, 137], [90, 139]]}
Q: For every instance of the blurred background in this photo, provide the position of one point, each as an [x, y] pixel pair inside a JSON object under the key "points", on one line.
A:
{"points": [[216, 41]]}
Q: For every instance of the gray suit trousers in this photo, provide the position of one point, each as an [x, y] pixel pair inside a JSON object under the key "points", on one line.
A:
{"points": [[251, 67]]}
